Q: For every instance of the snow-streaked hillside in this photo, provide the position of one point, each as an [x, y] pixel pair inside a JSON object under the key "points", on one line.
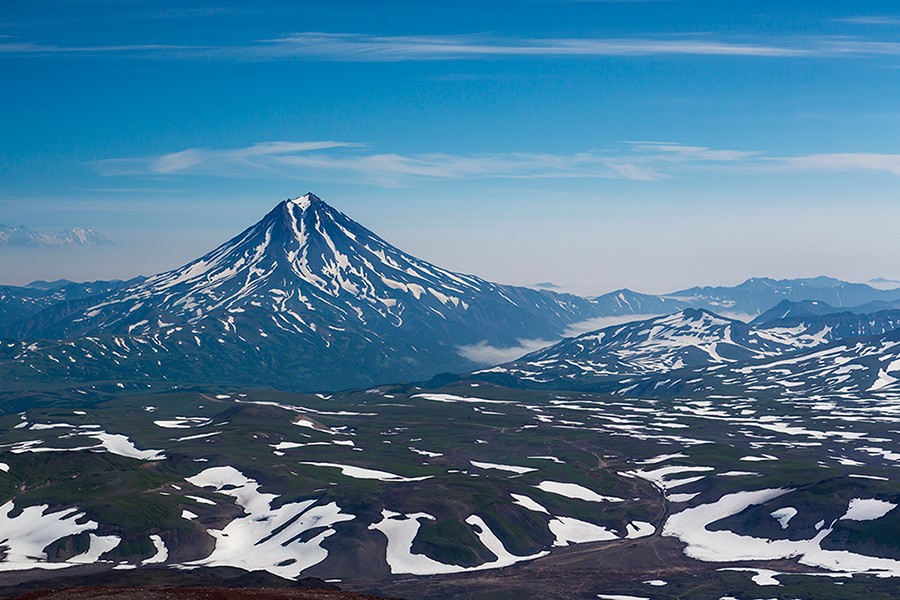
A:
{"points": [[687, 339], [850, 367], [691, 337]]}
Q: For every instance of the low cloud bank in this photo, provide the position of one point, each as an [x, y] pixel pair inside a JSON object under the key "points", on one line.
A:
{"points": [[485, 354]]}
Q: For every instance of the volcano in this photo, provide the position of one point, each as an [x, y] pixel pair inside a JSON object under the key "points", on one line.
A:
{"points": [[305, 299]]}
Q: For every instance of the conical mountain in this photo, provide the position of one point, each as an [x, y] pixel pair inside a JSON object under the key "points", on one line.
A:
{"points": [[310, 297]]}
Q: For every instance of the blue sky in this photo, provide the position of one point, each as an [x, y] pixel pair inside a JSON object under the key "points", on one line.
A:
{"points": [[595, 144]]}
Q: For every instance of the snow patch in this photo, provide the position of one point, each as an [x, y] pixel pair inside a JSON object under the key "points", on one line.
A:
{"points": [[363, 473], [575, 491], [568, 529], [26, 535], [784, 515], [508, 468], [161, 552], [400, 531], [273, 533], [867, 509]]}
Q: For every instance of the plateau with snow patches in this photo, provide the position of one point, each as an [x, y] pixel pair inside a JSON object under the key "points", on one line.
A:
{"points": [[304, 299], [381, 486]]}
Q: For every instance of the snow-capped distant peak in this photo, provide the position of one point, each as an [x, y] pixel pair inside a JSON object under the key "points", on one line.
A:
{"points": [[77, 236]]}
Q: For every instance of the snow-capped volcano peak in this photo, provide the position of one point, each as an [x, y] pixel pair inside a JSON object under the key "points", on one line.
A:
{"points": [[306, 267], [338, 257], [310, 298], [306, 255], [306, 201]]}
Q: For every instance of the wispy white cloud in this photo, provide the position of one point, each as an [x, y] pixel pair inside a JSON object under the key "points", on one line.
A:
{"points": [[372, 48], [485, 354], [173, 51], [363, 48], [838, 162], [355, 47], [684, 152], [198, 161], [305, 159], [322, 160], [253, 156], [871, 20], [841, 162]]}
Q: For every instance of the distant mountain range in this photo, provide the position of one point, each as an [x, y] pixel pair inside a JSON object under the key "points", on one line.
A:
{"points": [[76, 236], [758, 294], [750, 298], [814, 308]]}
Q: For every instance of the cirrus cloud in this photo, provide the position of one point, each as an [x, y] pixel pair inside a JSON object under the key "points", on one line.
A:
{"points": [[326, 160], [311, 159], [363, 47]]}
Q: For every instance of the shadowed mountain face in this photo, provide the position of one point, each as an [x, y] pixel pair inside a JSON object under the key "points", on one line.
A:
{"points": [[20, 303], [306, 298]]}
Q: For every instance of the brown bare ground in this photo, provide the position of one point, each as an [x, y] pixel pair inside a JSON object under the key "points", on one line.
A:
{"points": [[152, 593]]}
